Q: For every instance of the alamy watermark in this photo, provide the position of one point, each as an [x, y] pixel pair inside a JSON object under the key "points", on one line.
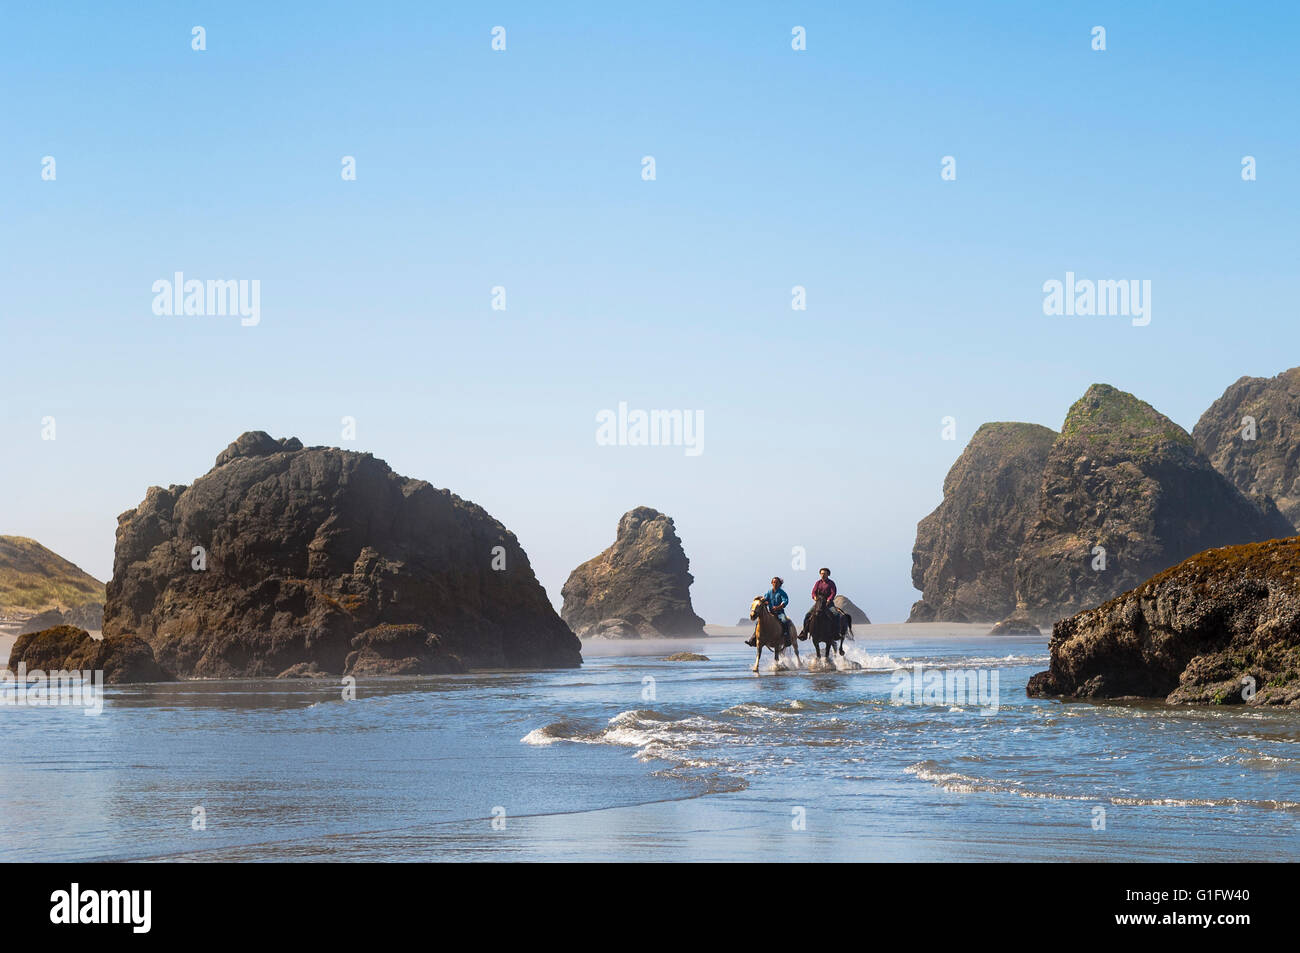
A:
{"points": [[38, 689], [125, 907], [197, 298], [1085, 297], [651, 428], [954, 687]]}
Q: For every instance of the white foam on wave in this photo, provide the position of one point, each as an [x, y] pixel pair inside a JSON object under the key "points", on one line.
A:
{"points": [[957, 783], [655, 737], [974, 661], [1257, 759], [869, 661], [539, 737], [749, 708]]}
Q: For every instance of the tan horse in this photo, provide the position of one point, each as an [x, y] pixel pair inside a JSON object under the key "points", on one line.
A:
{"points": [[768, 632]]}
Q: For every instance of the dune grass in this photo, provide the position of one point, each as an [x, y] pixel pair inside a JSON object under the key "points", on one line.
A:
{"points": [[32, 577]]}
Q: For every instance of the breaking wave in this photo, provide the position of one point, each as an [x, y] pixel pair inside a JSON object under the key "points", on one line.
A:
{"points": [[957, 783], [656, 737]]}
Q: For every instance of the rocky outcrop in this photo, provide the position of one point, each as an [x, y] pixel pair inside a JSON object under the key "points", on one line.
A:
{"points": [[1124, 494], [89, 616], [299, 561], [1252, 436], [1016, 624], [1221, 627], [400, 650], [49, 619], [46, 649], [617, 629], [34, 579], [638, 588], [965, 553], [122, 658], [855, 614]]}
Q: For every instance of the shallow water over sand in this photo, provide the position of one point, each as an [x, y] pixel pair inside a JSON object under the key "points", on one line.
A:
{"points": [[633, 757]]}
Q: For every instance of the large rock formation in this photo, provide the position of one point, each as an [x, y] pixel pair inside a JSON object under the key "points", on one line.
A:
{"points": [[1125, 479], [1252, 436], [285, 560], [1220, 627], [856, 615], [638, 588], [965, 553], [122, 658], [34, 579]]}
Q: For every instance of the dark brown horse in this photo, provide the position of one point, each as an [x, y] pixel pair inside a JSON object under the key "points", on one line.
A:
{"points": [[826, 628]]}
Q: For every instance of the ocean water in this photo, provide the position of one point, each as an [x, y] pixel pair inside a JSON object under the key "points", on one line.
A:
{"points": [[636, 758]]}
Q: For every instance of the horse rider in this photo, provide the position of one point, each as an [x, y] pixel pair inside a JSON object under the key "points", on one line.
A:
{"points": [[825, 588], [776, 600]]}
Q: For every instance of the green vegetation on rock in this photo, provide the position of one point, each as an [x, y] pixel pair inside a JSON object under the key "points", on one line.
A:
{"points": [[32, 577], [1106, 418]]}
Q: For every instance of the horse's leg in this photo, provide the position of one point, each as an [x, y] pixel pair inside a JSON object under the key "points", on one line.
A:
{"points": [[758, 657]]}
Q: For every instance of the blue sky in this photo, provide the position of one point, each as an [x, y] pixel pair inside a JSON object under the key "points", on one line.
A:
{"points": [[522, 169]]}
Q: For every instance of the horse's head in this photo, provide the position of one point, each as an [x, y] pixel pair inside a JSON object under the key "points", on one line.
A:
{"points": [[757, 607], [819, 605]]}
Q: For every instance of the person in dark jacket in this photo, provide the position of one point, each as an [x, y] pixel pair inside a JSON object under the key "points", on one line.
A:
{"points": [[825, 587]]}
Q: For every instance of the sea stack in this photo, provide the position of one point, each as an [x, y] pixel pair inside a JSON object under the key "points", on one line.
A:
{"points": [[285, 560], [1252, 436], [1124, 495], [1222, 627], [637, 588], [965, 553], [856, 615]]}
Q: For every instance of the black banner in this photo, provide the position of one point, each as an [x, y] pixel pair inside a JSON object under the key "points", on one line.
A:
{"points": [[137, 903]]}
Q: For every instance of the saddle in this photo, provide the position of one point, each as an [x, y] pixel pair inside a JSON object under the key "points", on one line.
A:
{"points": [[787, 630], [833, 613]]}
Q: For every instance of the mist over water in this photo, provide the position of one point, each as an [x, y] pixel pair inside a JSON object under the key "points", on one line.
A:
{"points": [[634, 757]]}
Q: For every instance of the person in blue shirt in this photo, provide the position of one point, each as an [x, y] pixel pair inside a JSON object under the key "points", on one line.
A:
{"points": [[776, 600]]}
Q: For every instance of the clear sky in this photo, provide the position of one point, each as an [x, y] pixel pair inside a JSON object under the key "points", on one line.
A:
{"points": [[522, 168]]}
